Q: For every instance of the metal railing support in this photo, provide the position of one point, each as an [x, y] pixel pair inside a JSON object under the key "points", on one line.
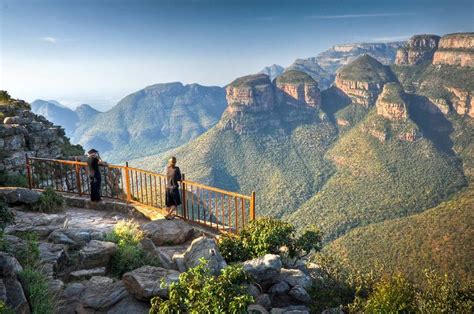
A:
{"points": [[127, 183]]}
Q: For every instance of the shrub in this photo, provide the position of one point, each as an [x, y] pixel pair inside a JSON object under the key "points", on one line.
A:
{"points": [[28, 254], [5, 309], [198, 291], [49, 202], [443, 294], [267, 235], [37, 292], [129, 255], [12, 179], [393, 295]]}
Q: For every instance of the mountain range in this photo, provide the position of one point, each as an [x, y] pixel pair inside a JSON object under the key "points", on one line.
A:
{"points": [[152, 120], [324, 66], [367, 141], [384, 146]]}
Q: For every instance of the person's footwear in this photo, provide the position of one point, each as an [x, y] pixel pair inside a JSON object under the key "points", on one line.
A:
{"points": [[168, 217]]}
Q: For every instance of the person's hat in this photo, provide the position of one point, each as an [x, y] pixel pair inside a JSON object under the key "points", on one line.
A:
{"points": [[92, 151]]}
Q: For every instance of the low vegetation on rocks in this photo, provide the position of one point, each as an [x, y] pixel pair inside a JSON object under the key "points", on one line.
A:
{"points": [[269, 236], [198, 291], [49, 202], [129, 256]]}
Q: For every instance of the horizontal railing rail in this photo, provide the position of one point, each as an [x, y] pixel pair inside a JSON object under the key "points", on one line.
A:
{"points": [[216, 208]]}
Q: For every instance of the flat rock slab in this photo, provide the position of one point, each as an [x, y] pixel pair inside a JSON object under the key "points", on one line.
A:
{"points": [[145, 282], [75, 237], [264, 268], [202, 247], [87, 273], [18, 196], [168, 232], [39, 223], [96, 254]]}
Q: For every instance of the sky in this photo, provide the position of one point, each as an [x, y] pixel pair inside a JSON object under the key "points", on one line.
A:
{"points": [[98, 51]]}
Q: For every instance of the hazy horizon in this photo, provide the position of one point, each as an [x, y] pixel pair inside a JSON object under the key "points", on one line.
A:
{"points": [[97, 52]]}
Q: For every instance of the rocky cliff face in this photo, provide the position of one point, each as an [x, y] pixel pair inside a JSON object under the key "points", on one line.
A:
{"points": [[363, 79], [463, 102], [419, 49], [391, 104], [23, 132], [456, 49], [392, 118], [255, 103], [298, 88]]}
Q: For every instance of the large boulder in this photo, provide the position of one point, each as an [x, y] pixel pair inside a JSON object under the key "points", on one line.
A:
{"points": [[97, 254], [54, 254], [130, 305], [15, 296], [17, 196], [293, 309], [263, 268], [168, 232], [295, 277], [75, 238], [101, 293], [87, 273], [38, 223], [147, 245], [300, 294], [145, 282], [202, 247], [9, 266]]}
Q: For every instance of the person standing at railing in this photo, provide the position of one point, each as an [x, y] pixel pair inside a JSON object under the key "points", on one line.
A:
{"points": [[93, 161], [173, 177]]}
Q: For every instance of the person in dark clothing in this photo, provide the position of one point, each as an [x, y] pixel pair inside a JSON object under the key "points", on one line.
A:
{"points": [[173, 177], [93, 161]]}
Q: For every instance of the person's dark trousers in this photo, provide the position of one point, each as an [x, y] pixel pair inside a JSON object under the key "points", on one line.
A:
{"points": [[95, 188]]}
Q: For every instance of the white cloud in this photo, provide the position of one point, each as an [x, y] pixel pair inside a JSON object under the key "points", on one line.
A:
{"points": [[353, 16], [49, 39]]}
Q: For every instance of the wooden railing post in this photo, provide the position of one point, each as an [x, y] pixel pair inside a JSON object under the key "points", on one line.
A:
{"points": [[183, 188], [78, 177], [127, 183], [252, 206], [28, 171]]}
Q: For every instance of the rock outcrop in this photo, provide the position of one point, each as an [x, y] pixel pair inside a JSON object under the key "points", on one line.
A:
{"points": [[419, 49], [391, 104], [463, 102], [23, 132], [363, 79], [455, 49], [392, 119], [168, 232], [298, 89], [145, 282], [255, 103]]}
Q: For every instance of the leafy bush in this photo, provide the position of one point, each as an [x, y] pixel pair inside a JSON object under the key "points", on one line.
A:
{"points": [[28, 255], [443, 294], [267, 235], [5, 309], [129, 255], [49, 202], [4, 96], [392, 295], [198, 291], [37, 292], [12, 179]]}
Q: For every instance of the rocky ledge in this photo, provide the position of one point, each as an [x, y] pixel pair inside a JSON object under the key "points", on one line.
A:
{"points": [[23, 132], [392, 119], [455, 49], [255, 103], [419, 49], [363, 79]]}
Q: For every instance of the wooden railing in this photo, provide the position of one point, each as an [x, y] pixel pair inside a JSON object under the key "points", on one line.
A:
{"points": [[222, 210]]}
